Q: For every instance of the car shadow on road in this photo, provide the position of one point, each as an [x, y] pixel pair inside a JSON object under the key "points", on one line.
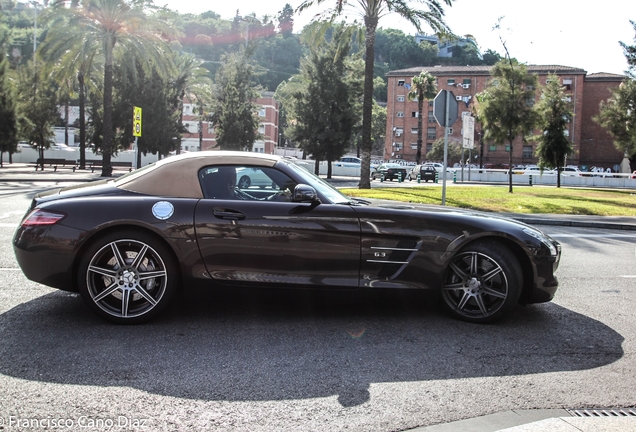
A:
{"points": [[246, 345]]}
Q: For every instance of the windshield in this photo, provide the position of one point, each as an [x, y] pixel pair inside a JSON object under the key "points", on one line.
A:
{"points": [[321, 186]]}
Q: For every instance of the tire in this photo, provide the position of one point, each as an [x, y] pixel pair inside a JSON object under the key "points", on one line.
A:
{"points": [[244, 182], [482, 283], [127, 277]]}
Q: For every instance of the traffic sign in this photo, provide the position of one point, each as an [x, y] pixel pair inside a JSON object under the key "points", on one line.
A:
{"points": [[468, 131], [443, 98], [137, 121]]}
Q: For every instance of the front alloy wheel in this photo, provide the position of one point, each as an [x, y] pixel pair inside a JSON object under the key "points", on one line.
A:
{"points": [[127, 278], [482, 283]]}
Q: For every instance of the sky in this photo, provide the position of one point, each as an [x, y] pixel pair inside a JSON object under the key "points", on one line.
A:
{"points": [[539, 32]]}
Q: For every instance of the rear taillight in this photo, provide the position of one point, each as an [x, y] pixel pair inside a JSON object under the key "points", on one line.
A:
{"points": [[42, 217]]}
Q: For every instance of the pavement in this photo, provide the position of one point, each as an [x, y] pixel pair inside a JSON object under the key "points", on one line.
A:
{"points": [[551, 420]]}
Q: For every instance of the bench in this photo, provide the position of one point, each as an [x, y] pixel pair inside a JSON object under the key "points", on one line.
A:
{"points": [[55, 162], [97, 163]]}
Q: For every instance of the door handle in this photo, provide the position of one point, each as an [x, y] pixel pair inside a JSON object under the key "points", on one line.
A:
{"points": [[228, 214]]}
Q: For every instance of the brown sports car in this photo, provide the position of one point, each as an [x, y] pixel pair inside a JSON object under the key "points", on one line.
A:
{"points": [[127, 244]]}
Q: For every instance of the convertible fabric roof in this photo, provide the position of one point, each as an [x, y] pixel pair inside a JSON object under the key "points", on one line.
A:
{"points": [[177, 176]]}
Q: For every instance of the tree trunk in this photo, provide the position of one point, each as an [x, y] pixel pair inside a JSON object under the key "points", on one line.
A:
{"points": [[420, 107], [367, 105], [510, 168], [82, 120], [107, 144]]}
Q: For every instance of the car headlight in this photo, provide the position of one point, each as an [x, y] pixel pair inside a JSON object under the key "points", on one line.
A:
{"points": [[543, 239]]}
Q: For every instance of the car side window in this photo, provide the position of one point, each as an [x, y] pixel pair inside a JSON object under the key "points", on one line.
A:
{"points": [[252, 183]]}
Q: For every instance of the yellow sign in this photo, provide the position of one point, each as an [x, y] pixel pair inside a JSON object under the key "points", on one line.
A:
{"points": [[137, 121]]}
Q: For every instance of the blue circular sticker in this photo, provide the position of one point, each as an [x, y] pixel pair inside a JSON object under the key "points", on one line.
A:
{"points": [[163, 210]]}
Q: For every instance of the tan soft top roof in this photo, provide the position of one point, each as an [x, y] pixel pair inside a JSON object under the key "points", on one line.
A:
{"points": [[177, 176]]}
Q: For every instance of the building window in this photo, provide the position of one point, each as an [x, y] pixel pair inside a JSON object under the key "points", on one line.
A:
{"points": [[567, 83], [400, 83], [210, 128], [400, 114], [566, 133], [527, 152], [399, 131], [429, 147], [431, 117], [450, 131], [492, 147], [466, 81], [261, 112], [413, 146], [414, 131], [431, 133], [450, 81], [430, 104], [414, 114], [508, 148], [400, 98], [261, 129]]}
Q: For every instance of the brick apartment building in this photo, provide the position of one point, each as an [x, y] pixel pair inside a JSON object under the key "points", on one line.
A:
{"points": [[593, 146], [268, 127]]}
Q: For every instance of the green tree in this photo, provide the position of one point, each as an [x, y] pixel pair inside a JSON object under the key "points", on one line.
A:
{"points": [[36, 108], [437, 151], [233, 105], [618, 116], [618, 113], [555, 114], [371, 11], [9, 123], [325, 108], [630, 53], [423, 88], [111, 27], [505, 107], [286, 20], [73, 61]]}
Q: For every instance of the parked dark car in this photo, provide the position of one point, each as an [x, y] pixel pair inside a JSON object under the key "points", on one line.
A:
{"points": [[426, 172], [390, 171], [127, 244]]}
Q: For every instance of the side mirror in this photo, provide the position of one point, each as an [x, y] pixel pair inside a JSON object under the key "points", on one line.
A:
{"points": [[304, 193]]}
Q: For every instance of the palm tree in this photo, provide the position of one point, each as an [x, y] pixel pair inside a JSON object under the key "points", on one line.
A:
{"points": [[423, 88], [106, 27], [192, 80], [73, 61], [371, 11]]}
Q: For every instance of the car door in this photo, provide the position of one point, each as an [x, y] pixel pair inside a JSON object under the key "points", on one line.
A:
{"points": [[278, 242]]}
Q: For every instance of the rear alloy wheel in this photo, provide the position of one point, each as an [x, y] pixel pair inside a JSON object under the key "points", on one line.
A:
{"points": [[127, 277], [482, 283], [244, 182]]}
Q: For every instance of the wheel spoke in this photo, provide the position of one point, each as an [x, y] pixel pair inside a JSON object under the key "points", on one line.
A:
{"points": [[102, 271], [480, 302], [462, 303], [152, 274], [474, 264], [139, 257], [120, 260], [453, 287], [145, 295], [491, 274], [125, 302], [458, 271], [492, 292], [108, 291]]}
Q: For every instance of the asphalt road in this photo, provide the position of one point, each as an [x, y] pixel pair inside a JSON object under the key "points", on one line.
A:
{"points": [[268, 361]]}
